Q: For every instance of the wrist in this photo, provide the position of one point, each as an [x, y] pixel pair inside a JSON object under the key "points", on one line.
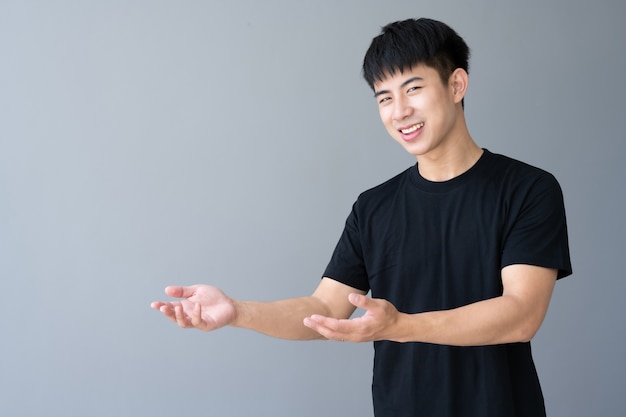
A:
{"points": [[242, 314], [403, 329]]}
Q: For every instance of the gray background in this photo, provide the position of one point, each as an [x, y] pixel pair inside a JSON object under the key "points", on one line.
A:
{"points": [[145, 143]]}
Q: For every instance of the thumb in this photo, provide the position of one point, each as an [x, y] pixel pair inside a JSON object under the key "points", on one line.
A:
{"points": [[177, 291], [359, 301]]}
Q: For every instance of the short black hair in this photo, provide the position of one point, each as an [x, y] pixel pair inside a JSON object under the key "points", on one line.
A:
{"points": [[402, 45]]}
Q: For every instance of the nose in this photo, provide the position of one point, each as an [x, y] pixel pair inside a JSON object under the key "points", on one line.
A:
{"points": [[401, 109]]}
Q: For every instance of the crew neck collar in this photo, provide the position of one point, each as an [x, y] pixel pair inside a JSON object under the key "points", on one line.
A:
{"points": [[448, 185]]}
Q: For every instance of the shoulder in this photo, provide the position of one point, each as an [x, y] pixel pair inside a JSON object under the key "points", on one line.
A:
{"points": [[515, 175], [530, 196], [384, 191], [514, 166]]}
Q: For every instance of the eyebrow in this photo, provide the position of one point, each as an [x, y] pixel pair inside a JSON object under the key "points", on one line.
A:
{"points": [[404, 84]]}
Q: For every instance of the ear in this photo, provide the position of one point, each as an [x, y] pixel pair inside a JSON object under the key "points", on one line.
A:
{"points": [[459, 80]]}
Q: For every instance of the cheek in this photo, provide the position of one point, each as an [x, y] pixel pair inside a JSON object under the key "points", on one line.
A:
{"points": [[385, 118], [382, 113]]}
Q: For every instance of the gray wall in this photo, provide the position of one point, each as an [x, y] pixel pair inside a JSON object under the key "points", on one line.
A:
{"points": [[144, 143]]}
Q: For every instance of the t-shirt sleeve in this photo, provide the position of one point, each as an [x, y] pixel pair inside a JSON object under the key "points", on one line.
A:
{"points": [[538, 230], [347, 264]]}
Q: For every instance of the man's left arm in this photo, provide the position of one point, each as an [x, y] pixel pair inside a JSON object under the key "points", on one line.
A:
{"points": [[515, 316]]}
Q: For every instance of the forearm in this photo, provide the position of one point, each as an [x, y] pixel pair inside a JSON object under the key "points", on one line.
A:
{"points": [[513, 317], [282, 319], [499, 320]]}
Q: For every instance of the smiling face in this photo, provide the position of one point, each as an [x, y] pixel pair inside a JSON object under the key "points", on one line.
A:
{"points": [[421, 112]]}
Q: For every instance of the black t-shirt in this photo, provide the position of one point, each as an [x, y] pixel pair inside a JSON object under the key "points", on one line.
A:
{"points": [[428, 246]]}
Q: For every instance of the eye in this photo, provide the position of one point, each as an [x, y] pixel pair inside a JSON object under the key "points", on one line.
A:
{"points": [[413, 88], [384, 100]]}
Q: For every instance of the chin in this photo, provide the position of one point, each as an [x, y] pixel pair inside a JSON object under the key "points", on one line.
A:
{"points": [[415, 149]]}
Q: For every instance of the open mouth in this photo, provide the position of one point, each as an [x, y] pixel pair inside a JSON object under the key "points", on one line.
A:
{"points": [[412, 129]]}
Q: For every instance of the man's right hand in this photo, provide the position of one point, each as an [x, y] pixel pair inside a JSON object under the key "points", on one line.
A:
{"points": [[200, 306]]}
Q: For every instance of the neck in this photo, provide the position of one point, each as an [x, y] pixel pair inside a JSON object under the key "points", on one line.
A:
{"points": [[449, 163]]}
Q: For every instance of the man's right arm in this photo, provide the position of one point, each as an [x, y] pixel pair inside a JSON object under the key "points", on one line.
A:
{"points": [[208, 308]]}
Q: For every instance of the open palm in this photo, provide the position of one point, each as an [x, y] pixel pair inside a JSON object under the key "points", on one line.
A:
{"points": [[202, 307]]}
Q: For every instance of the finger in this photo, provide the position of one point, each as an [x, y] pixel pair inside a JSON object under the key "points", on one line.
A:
{"points": [[158, 305], [180, 316], [168, 310], [328, 327], [196, 317], [361, 301], [322, 321], [178, 291]]}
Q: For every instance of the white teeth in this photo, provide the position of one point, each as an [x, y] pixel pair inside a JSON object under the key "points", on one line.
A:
{"points": [[412, 128]]}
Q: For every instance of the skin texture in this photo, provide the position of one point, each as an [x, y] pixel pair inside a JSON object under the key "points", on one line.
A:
{"points": [[207, 308], [444, 149]]}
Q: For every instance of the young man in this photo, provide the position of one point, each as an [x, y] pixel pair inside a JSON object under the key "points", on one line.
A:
{"points": [[460, 253]]}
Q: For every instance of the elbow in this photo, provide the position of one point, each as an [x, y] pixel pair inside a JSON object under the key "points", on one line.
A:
{"points": [[528, 319], [526, 331], [525, 337]]}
